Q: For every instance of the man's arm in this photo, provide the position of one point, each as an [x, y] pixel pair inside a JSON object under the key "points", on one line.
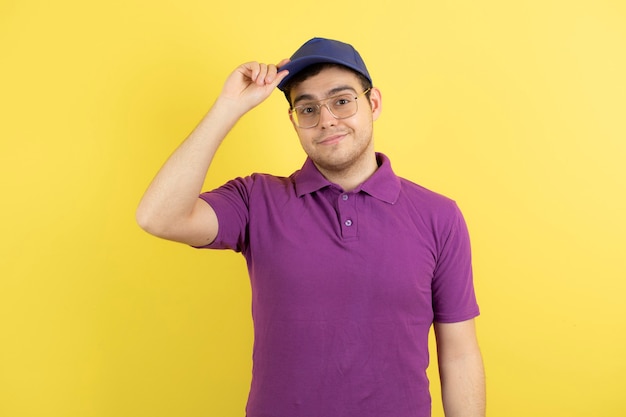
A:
{"points": [[460, 369], [170, 208]]}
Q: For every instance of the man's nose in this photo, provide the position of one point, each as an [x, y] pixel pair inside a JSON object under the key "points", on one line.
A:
{"points": [[326, 116]]}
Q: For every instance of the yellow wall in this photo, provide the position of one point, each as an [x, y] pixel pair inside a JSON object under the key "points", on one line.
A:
{"points": [[515, 109]]}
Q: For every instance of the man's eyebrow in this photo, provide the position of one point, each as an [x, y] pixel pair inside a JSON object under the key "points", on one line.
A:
{"points": [[339, 89], [329, 93], [302, 97]]}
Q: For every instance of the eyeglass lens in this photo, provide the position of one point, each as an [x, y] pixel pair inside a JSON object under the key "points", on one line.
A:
{"points": [[340, 107]]}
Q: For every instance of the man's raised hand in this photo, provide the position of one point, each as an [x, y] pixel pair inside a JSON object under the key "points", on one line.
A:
{"points": [[251, 83]]}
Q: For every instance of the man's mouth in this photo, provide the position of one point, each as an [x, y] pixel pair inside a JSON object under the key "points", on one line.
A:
{"points": [[331, 139]]}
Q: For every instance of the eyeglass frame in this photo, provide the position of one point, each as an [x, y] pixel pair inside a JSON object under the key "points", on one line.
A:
{"points": [[324, 102]]}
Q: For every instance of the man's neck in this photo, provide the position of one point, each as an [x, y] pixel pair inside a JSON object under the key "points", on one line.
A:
{"points": [[353, 176]]}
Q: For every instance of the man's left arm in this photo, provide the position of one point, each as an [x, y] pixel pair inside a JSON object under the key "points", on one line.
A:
{"points": [[461, 369]]}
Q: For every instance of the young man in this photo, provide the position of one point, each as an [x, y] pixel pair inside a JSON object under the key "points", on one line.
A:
{"points": [[349, 264]]}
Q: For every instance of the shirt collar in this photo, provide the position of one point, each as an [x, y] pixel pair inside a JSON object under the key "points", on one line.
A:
{"points": [[383, 184]]}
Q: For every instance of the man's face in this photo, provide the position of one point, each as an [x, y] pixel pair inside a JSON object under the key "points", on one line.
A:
{"points": [[337, 144]]}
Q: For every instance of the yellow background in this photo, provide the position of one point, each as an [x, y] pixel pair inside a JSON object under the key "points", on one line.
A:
{"points": [[515, 109]]}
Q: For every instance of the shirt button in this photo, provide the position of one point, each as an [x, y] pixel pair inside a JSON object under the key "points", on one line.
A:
{"points": [[344, 197], [348, 223]]}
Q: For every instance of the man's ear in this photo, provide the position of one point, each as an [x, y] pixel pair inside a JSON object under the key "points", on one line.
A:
{"points": [[376, 102], [293, 122]]}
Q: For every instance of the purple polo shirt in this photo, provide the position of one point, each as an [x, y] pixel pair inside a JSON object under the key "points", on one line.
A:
{"points": [[345, 287]]}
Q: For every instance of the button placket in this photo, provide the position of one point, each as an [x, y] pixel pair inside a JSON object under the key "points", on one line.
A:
{"points": [[347, 215]]}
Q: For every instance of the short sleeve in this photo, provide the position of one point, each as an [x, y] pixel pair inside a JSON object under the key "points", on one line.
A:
{"points": [[231, 205], [454, 298]]}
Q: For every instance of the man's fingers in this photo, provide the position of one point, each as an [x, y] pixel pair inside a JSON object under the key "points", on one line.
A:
{"points": [[261, 75], [275, 74], [265, 74], [279, 77]]}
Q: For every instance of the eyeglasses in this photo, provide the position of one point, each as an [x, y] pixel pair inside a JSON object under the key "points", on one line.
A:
{"points": [[307, 115]]}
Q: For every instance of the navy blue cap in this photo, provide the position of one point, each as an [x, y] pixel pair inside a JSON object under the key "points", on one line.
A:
{"points": [[320, 50]]}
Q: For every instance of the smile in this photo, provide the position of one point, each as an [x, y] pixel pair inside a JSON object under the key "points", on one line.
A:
{"points": [[331, 140]]}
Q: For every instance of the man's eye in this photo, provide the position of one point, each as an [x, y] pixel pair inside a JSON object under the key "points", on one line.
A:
{"points": [[342, 101], [306, 110]]}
